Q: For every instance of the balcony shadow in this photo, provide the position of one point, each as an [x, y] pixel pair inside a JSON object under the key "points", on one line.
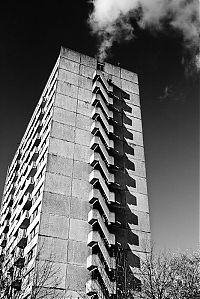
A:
{"points": [[127, 238]]}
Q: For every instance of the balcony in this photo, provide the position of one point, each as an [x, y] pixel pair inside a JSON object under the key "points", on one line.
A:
{"points": [[44, 101], [93, 262], [96, 159], [3, 240], [5, 226], [98, 101], [19, 258], [37, 139], [98, 75], [13, 188], [10, 201], [27, 202], [97, 129], [16, 175], [10, 264], [30, 184], [21, 240], [97, 143], [95, 217], [17, 166], [39, 126], [8, 213], [96, 177], [16, 283], [96, 196], [33, 169], [2, 257], [98, 88], [25, 220], [94, 238], [98, 113], [41, 114], [93, 287], [35, 154]]}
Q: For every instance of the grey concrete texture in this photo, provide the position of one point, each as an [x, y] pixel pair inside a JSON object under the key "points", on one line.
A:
{"points": [[65, 207]]}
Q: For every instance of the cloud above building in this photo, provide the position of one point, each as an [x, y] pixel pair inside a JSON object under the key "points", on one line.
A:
{"points": [[112, 20]]}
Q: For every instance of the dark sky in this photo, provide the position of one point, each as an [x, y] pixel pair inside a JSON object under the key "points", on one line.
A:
{"points": [[30, 40]]}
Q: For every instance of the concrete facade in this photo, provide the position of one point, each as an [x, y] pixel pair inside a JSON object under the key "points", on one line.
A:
{"points": [[93, 216]]}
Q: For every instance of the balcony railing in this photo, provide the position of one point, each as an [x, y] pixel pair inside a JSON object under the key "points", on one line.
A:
{"points": [[94, 238], [30, 183], [5, 226], [35, 154], [93, 217], [94, 196], [97, 113], [16, 283], [16, 175], [19, 258], [96, 177], [98, 88], [41, 114], [21, 240], [96, 159], [3, 240], [37, 139], [33, 169], [27, 202], [93, 262], [25, 220], [97, 101], [97, 143], [93, 287], [97, 129], [99, 77]]}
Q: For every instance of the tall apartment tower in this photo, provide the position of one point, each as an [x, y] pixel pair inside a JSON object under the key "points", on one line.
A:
{"points": [[76, 193]]}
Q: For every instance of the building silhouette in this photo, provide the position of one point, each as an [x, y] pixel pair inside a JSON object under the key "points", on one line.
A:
{"points": [[76, 189]]}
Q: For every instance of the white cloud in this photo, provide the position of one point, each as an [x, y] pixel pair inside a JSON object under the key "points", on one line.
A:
{"points": [[110, 19]]}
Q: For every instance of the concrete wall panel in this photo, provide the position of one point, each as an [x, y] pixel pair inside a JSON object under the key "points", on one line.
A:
{"points": [[79, 209], [69, 65], [85, 82], [60, 165], [81, 170], [58, 184], [81, 274], [61, 147], [65, 102], [64, 116], [81, 189], [54, 226], [70, 54], [83, 122], [53, 249], [84, 95], [84, 108], [78, 230], [86, 71], [67, 76], [112, 70], [54, 203], [128, 75], [130, 87], [82, 137], [62, 131], [77, 253], [67, 89], [88, 61], [82, 153]]}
